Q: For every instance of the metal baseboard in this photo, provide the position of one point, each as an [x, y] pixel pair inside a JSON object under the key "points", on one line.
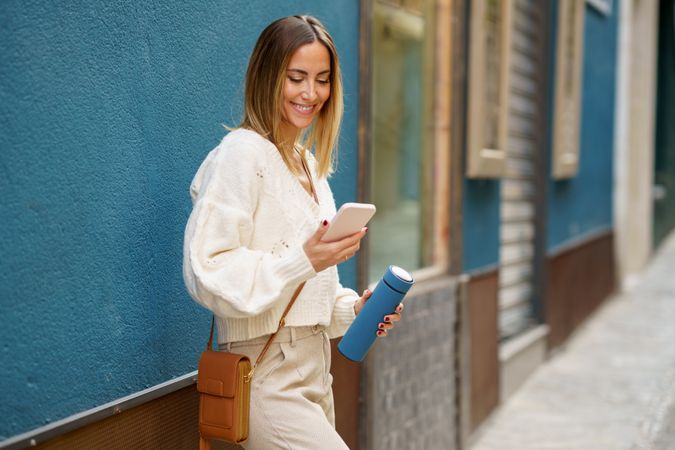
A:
{"points": [[41, 436]]}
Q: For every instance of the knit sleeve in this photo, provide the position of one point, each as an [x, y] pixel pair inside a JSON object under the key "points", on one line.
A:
{"points": [[220, 271], [343, 312]]}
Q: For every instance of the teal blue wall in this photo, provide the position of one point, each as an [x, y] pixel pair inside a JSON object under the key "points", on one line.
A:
{"points": [[480, 224], [105, 114], [583, 204]]}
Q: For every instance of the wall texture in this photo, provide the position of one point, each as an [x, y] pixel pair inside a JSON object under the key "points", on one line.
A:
{"points": [[483, 341], [411, 388], [480, 224], [583, 204], [579, 279], [106, 112]]}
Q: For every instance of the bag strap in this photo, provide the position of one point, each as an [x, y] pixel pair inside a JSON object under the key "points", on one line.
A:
{"points": [[282, 323], [309, 176]]}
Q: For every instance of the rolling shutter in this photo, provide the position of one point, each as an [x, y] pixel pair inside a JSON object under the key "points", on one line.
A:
{"points": [[518, 181]]}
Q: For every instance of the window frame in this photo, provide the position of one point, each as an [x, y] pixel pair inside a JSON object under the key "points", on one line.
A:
{"points": [[483, 162], [568, 81]]}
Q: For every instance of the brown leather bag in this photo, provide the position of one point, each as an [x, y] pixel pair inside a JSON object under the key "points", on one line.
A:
{"points": [[224, 386]]}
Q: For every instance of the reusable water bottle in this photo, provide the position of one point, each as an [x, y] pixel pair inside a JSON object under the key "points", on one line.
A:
{"points": [[386, 296]]}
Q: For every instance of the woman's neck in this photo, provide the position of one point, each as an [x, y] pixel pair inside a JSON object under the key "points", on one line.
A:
{"points": [[289, 136]]}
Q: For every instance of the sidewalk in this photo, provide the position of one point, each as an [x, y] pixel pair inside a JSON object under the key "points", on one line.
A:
{"points": [[612, 387]]}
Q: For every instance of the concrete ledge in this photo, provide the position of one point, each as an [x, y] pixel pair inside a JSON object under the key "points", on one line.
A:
{"points": [[519, 357]]}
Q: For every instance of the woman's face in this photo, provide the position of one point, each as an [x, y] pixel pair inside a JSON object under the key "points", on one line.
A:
{"points": [[306, 88]]}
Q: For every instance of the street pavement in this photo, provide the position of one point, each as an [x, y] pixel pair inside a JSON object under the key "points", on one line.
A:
{"points": [[611, 387]]}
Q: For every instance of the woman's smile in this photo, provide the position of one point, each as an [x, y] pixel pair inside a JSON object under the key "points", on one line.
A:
{"points": [[303, 109]]}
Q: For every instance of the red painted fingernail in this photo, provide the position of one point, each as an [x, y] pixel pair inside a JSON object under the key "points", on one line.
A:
{"points": [[366, 230], [381, 326], [379, 333], [387, 319], [324, 223]]}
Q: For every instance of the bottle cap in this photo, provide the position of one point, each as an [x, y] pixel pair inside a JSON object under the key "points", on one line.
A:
{"points": [[398, 279]]}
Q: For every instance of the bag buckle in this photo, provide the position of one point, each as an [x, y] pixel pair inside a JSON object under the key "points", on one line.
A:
{"points": [[247, 378]]}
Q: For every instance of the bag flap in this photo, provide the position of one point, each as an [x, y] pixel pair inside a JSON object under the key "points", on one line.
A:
{"points": [[219, 372]]}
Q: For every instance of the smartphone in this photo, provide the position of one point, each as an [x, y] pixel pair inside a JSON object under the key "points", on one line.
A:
{"points": [[350, 218]]}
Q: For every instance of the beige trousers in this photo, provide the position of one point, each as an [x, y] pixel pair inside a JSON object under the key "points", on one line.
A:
{"points": [[291, 394]]}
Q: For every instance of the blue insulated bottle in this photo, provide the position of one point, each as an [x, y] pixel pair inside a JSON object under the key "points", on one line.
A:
{"points": [[385, 298]]}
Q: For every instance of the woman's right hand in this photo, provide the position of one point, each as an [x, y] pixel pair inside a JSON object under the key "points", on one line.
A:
{"points": [[323, 255]]}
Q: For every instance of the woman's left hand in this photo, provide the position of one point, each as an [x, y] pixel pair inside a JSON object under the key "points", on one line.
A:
{"points": [[388, 321]]}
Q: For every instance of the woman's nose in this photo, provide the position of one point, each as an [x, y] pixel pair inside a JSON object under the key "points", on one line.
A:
{"points": [[309, 93]]}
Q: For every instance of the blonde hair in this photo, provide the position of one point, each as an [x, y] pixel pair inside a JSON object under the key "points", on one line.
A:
{"points": [[265, 78]]}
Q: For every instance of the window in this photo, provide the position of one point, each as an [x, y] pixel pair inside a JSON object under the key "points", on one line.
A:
{"points": [[409, 136]]}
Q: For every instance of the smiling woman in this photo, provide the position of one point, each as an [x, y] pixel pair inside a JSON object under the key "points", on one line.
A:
{"points": [[253, 246]]}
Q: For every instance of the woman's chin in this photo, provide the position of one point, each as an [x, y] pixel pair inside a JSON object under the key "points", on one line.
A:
{"points": [[302, 124]]}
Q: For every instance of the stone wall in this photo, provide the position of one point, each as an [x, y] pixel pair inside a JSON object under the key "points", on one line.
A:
{"points": [[410, 380]]}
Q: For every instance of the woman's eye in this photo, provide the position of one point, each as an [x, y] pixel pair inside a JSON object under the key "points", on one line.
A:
{"points": [[323, 81], [295, 80]]}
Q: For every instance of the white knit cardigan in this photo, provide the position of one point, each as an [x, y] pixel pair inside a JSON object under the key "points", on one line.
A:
{"points": [[243, 255]]}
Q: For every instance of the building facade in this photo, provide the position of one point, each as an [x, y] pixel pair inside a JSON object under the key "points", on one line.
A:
{"points": [[509, 147]]}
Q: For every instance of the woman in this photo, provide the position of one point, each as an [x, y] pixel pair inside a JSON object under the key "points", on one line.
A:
{"points": [[261, 203]]}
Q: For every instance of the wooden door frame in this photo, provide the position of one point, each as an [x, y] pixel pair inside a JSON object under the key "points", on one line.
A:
{"points": [[542, 170]]}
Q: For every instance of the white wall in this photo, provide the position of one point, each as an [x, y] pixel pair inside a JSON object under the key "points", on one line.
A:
{"points": [[635, 120]]}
